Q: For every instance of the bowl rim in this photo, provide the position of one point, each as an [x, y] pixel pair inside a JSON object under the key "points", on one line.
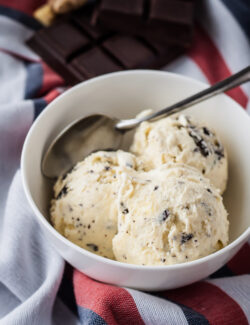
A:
{"points": [[41, 218]]}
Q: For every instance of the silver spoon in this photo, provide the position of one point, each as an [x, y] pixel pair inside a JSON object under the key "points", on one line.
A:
{"points": [[100, 132]]}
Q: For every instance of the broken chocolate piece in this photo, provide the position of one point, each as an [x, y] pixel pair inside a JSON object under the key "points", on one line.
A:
{"points": [[78, 51], [164, 215], [94, 247], [186, 237], [63, 192], [165, 20], [199, 141]]}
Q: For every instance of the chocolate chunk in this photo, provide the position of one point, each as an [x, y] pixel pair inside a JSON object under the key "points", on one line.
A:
{"points": [[164, 215], [186, 237], [62, 193], [199, 141], [220, 153], [125, 211], [206, 131], [156, 188], [94, 247], [208, 189], [107, 168], [78, 50], [165, 20]]}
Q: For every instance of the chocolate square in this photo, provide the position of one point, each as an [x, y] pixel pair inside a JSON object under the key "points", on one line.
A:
{"points": [[131, 52], [63, 38], [94, 62], [121, 7], [178, 11]]}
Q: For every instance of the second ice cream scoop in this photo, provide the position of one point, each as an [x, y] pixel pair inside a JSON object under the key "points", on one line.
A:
{"points": [[99, 132]]}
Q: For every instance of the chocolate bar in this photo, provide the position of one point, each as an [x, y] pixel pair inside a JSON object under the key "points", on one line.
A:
{"points": [[169, 21], [78, 51]]}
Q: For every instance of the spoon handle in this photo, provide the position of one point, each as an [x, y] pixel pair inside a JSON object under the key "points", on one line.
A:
{"points": [[233, 81]]}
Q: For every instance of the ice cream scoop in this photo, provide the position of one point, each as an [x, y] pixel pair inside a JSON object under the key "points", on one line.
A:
{"points": [[99, 132], [84, 207], [168, 215], [182, 139]]}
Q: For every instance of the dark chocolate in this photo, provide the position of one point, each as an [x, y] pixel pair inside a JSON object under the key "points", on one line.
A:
{"points": [[199, 141], [77, 51], [62, 193], [186, 237], [165, 20], [164, 215]]}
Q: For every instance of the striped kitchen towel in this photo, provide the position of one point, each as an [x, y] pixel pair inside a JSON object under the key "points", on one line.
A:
{"points": [[35, 286]]}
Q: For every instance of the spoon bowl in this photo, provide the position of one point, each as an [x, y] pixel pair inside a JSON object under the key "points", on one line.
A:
{"points": [[78, 140]]}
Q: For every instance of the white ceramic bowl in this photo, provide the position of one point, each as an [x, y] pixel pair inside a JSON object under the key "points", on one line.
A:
{"points": [[124, 94]]}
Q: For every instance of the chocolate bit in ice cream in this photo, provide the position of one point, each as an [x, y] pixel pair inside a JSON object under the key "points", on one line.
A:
{"points": [[94, 247], [206, 131], [220, 153], [156, 188], [63, 192], [124, 209], [186, 237], [199, 141], [164, 215]]}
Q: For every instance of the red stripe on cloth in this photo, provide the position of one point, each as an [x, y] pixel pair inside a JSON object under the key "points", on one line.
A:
{"points": [[210, 301], [51, 80], [115, 305], [208, 58], [240, 263], [26, 6], [51, 95]]}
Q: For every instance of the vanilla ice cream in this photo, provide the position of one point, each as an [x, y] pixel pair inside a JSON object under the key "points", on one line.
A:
{"points": [[169, 215], [84, 209], [183, 140]]}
